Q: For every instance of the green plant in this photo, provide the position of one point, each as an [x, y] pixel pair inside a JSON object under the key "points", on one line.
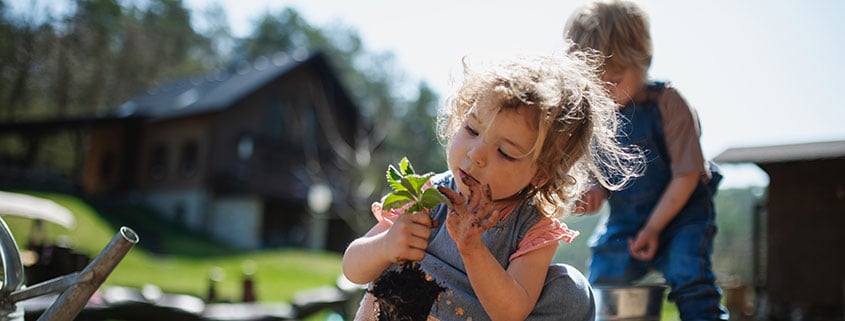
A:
{"points": [[409, 188], [407, 293]]}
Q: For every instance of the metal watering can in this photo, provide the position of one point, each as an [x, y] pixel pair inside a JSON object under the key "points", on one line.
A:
{"points": [[76, 288]]}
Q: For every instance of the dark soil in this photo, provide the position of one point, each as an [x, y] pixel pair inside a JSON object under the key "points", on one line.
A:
{"points": [[406, 294]]}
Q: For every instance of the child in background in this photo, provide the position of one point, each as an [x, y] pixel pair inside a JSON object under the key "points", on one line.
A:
{"points": [[522, 138], [664, 220]]}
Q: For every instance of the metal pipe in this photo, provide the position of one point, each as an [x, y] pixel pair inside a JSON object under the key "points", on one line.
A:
{"points": [[13, 273], [57, 284], [72, 300]]}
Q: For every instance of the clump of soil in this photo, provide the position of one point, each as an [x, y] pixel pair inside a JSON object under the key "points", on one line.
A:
{"points": [[406, 294]]}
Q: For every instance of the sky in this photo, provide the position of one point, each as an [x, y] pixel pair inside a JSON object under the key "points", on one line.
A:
{"points": [[758, 72]]}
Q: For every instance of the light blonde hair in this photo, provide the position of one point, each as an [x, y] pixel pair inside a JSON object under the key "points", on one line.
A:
{"points": [[618, 29], [576, 121]]}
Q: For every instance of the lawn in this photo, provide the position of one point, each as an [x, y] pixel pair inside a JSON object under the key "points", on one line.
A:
{"points": [[187, 261]]}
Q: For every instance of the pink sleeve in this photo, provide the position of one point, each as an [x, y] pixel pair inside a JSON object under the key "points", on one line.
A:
{"points": [[546, 232]]}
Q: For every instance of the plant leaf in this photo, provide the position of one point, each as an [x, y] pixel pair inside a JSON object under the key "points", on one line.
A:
{"points": [[417, 181], [394, 179], [432, 197], [394, 201], [407, 189], [406, 194], [409, 186], [405, 167], [417, 207]]}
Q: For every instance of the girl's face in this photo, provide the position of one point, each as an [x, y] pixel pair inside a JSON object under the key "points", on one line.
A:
{"points": [[498, 153]]}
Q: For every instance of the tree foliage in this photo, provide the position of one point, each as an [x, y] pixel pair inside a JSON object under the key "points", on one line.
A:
{"points": [[90, 59]]}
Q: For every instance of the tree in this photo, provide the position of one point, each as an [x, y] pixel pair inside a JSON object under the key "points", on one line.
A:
{"points": [[87, 61]]}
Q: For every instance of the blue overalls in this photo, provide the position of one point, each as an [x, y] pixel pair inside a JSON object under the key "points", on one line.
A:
{"points": [[685, 245]]}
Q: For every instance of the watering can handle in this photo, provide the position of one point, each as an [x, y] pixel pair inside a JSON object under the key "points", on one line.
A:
{"points": [[13, 273]]}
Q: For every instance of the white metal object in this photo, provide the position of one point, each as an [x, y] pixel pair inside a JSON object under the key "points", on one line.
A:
{"points": [[36, 208]]}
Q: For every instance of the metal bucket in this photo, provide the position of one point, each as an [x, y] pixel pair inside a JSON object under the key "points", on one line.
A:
{"points": [[629, 303]]}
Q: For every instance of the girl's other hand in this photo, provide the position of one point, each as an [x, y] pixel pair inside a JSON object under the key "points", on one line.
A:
{"points": [[470, 216]]}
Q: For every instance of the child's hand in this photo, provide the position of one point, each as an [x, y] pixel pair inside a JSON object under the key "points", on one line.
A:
{"points": [[469, 217], [591, 201], [644, 246], [407, 239]]}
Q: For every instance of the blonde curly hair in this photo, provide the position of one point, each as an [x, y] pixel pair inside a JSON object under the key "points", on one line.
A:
{"points": [[577, 122], [618, 29]]}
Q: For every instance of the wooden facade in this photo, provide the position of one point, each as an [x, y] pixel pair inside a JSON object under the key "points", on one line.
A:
{"points": [[804, 216], [233, 153]]}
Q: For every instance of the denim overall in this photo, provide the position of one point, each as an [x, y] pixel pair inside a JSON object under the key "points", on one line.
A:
{"points": [[566, 293], [685, 245]]}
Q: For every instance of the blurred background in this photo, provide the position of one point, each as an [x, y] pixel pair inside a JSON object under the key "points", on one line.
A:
{"points": [[246, 140]]}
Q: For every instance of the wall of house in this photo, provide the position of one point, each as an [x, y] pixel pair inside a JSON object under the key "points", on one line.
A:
{"points": [[186, 206], [265, 149], [271, 120], [171, 171], [805, 267], [174, 154], [287, 137], [105, 161], [236, 220]]}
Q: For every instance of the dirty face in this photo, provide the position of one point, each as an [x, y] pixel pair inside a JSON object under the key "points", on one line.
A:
{"points": [[496, 150]]}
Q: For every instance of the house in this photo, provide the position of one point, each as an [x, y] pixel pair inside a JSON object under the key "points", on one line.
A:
{"points": [[799, 262], [235, 153]]}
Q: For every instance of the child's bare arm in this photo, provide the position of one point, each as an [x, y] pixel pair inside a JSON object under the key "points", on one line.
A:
{"points": [[367, 257], [509, 294], [677, 193]]}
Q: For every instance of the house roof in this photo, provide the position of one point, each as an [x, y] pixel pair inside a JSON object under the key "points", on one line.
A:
{"points": [[202, 94], [216, 90], [783, 153]]}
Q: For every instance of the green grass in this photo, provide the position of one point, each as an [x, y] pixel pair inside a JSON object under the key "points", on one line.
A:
{"points": [[669, 312], [186, 261], [278, 273]]}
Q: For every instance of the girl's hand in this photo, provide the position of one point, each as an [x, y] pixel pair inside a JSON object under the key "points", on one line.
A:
{"points": [[407, 239], [469, 217], [644, 246]]}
